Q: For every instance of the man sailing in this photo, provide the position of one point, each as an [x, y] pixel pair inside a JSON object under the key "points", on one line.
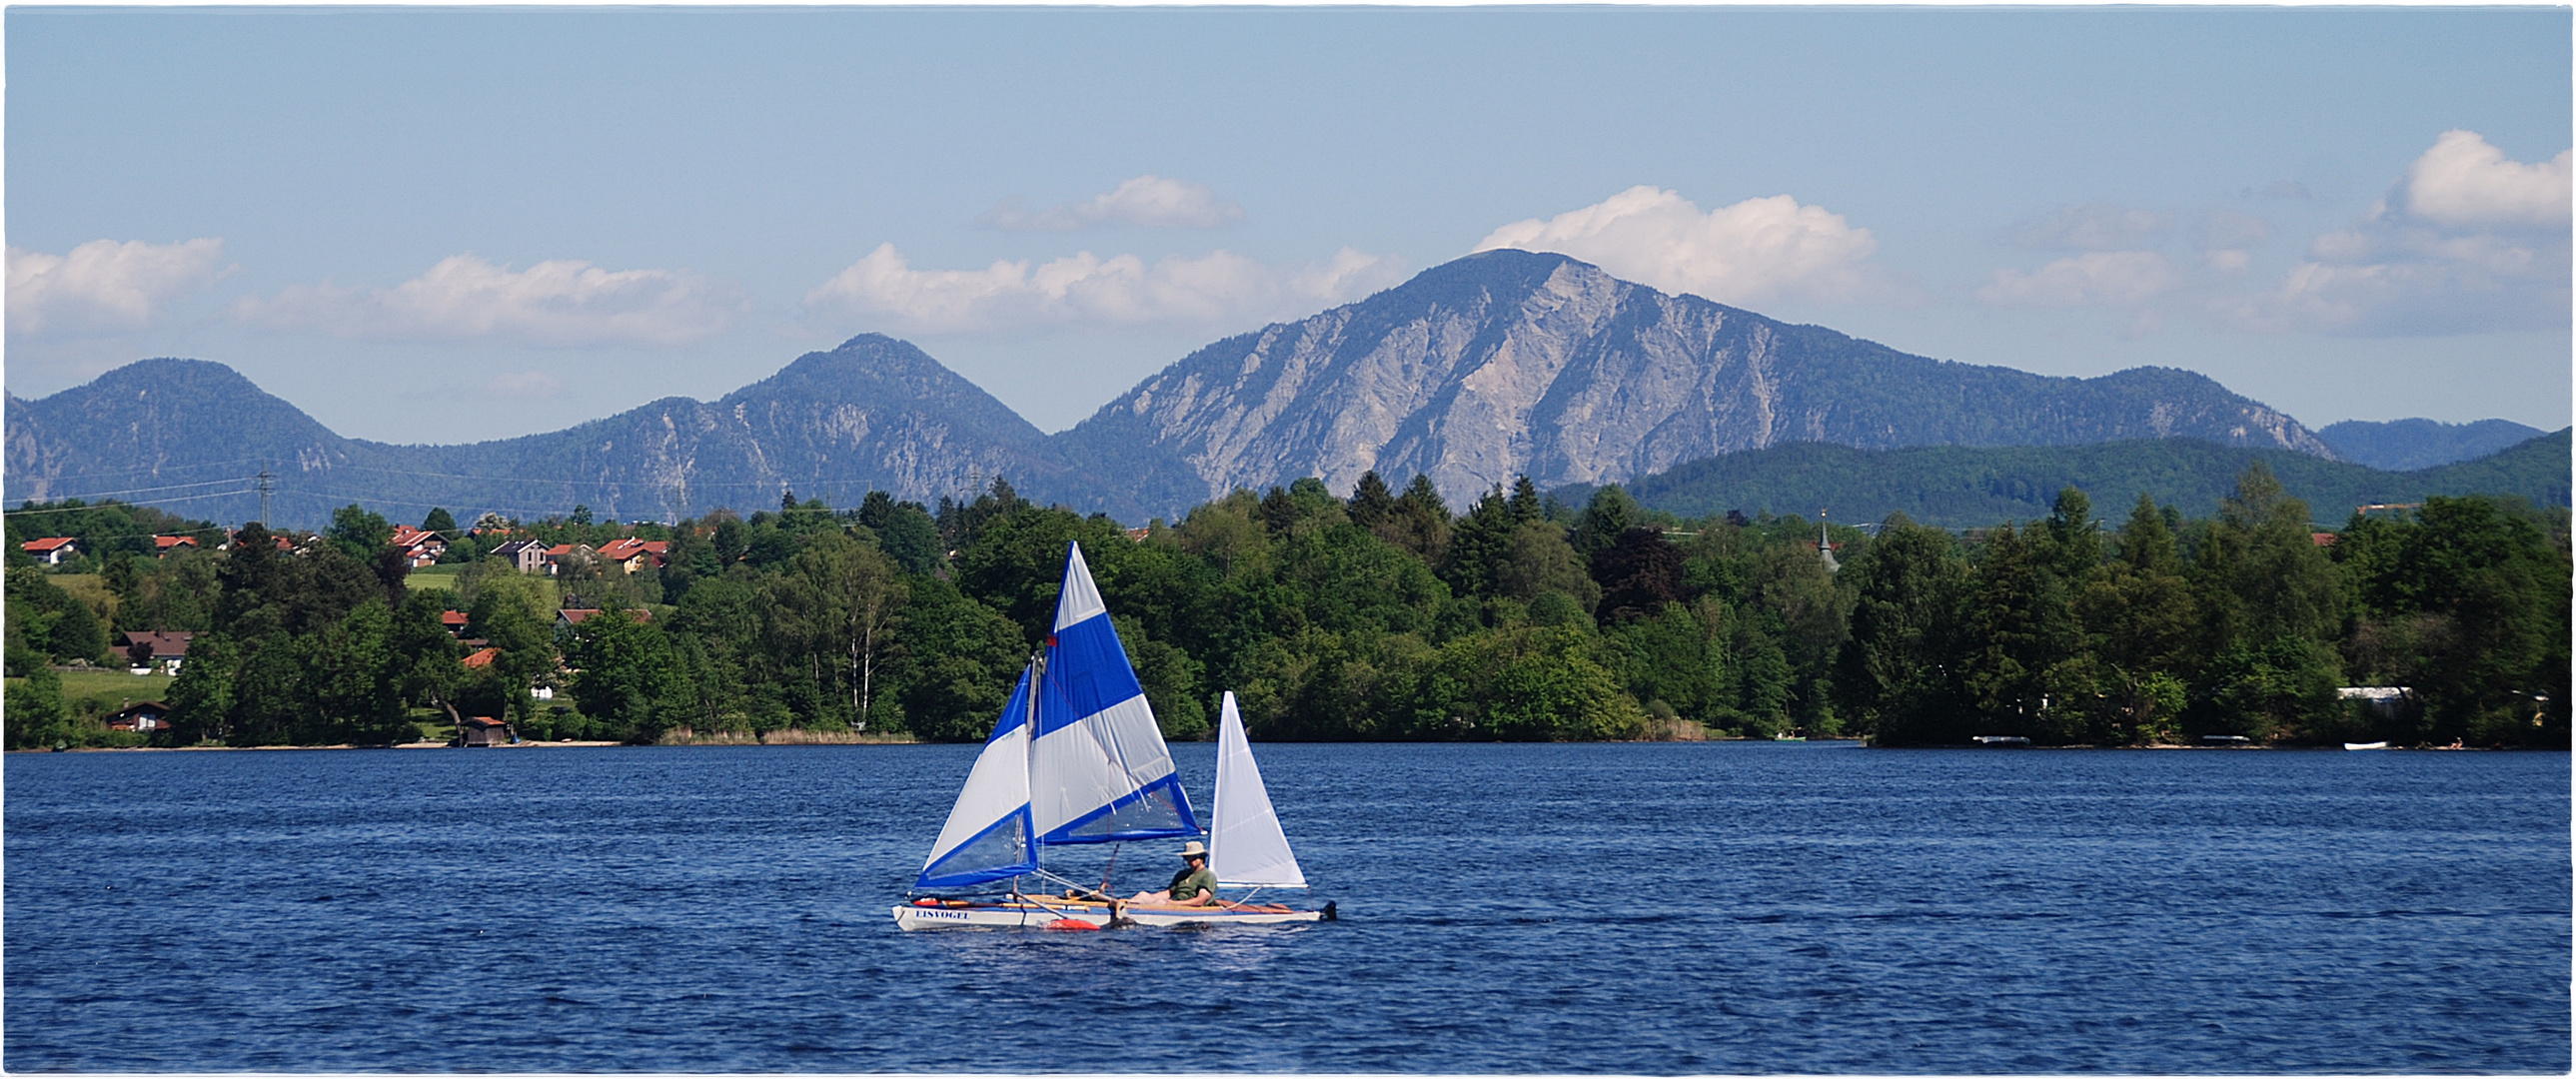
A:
{"points": [[1193, 886]]}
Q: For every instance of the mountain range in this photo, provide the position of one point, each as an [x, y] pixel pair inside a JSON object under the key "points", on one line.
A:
{"points": [[1973, 486], [1495, 365], [2406, 445]]}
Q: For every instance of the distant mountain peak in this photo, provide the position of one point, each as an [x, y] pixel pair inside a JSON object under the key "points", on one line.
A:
{"points": [[2409, 444], [1513, 362]]}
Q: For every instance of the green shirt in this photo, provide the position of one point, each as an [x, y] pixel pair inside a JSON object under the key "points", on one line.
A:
{"points": [[1188, 883]]}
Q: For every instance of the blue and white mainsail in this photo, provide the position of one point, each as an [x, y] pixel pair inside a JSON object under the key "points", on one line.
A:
{"points": [[989, 835], [1075, 758], [1098, 769]]}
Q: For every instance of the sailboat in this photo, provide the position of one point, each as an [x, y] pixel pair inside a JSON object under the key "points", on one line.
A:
{"points": [[1076, 759]]}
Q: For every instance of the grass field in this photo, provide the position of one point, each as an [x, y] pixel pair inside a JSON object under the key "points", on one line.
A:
{"points": [[114, 685], [441, 577]]}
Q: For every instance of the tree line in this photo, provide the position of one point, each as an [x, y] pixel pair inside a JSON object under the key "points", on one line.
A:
{"points": [[1383, 614]]}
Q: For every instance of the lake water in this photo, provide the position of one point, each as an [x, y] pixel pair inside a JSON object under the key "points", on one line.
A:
{"points": [[1622, 908]]}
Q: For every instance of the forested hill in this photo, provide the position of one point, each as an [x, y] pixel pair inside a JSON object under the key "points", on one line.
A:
{"points": [[2402, 445], [1964, 486]]}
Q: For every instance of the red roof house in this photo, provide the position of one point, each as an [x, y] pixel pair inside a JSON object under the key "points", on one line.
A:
{"points": [[53, 550], [636, 554], [422, 547]]}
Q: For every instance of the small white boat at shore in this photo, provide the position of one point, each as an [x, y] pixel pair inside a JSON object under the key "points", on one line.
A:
{"points": [[2365, 745]]}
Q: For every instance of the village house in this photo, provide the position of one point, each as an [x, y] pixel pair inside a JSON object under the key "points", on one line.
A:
{"points": [[147, 716], [481, 658], [162, 651], [423, 548], [633, 555], [528, 556], [52, 550], [163, 545], [484, 731], [454, 621]]}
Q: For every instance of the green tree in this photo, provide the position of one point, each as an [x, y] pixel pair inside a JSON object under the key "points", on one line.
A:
{"points": [[905, 532], [2466, 604], [201, 697], [1898, 673], [36, 713], [511, 614], [357, 680], [957, 667], [627, 676], [1606, 521], [426, 657], [359, 532], [1421, 522], [2270, 599], [1372, 503], [835, 608], [2139, 620]]}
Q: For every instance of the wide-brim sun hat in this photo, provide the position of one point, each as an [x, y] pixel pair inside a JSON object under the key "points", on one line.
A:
{"points": [[1193, 849]]}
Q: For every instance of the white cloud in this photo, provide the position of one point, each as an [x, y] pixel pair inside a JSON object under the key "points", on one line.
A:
{"points": [[556, 303], [2464, 181], [2467, 242], [1752, 252], [2123, 279], [104, 286], [1086, 290], [2093, 226], [1149, 201]]}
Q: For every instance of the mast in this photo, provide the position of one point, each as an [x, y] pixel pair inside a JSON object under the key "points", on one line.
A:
{"points": [[1029, 752]]}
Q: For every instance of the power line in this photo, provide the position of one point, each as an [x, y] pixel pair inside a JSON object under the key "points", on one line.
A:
{"points": [[148, 490], [136, 502], [151, 468], [645, 482]]}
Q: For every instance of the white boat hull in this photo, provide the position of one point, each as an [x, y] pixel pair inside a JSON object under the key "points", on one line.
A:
{"points": [[1046, 915]]}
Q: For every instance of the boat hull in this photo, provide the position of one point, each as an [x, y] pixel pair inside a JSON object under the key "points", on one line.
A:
{"points": [[1046, 915]]}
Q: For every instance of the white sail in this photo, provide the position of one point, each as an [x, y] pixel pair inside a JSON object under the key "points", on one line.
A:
{"points": [[1099, 771], [989, 834], [1247, 847]]}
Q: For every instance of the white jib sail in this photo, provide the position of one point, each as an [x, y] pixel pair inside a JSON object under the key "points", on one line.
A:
{"points": [[1246, 847], [1100, 772], [989, 835]]}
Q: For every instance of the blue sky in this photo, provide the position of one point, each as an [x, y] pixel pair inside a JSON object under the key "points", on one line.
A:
{"points": [[455, 224]]}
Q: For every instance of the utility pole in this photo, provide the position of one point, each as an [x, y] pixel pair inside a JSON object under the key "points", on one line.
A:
{"points": [[264, 480]]}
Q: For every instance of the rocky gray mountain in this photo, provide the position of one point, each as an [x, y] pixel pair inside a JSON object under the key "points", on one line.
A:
{"points": [[875, 413], [1512, 362]]}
